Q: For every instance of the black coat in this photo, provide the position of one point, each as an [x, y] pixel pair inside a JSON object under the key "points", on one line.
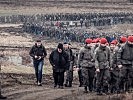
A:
{"points": [[59, 61], [38, 51]]}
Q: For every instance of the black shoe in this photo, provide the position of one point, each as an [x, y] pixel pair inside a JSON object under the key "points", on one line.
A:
{"points": [[80, 85], [61, 87], [99, 93], [90, 90], [70, 85], [66, 85], [2, 97], [55, 86], [85, 89], [118, 92]]}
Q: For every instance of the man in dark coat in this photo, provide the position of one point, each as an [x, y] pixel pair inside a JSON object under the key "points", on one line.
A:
{"points": [[38, 53], [59, 60]]}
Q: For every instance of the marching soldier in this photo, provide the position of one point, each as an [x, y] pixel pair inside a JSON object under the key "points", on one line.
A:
{"points": [[69, 72], [85, 60], [114, 71], [102, 57], [125, 64], [80, 76]]}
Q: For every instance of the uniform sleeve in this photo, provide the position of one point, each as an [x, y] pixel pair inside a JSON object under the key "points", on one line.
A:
{"points": [[96, 59], [115, 55], [44, 52], [119, 54], [67, 61], [109, 57], [80, 57], [51, 58], [92, 53]]}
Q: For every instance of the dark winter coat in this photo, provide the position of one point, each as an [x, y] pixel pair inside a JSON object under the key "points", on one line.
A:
{"points": [[38, 51], [59, 61], [125, 54]]}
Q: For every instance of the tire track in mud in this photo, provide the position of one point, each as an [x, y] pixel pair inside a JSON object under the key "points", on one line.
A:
{"points": [[41, 93], [17, 94]]}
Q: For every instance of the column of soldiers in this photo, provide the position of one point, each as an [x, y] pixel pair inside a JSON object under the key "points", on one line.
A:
{"points": [[98, 19], [107, 68], [102, 68]]}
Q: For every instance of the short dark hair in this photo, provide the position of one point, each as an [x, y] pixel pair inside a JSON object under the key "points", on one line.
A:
{"points": [[38, 40]]}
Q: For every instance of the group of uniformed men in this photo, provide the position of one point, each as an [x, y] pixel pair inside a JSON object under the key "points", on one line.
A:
{"points": [[103, 67]]}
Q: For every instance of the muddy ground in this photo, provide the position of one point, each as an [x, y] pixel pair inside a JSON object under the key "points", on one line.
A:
{"points": [[23, 87]]}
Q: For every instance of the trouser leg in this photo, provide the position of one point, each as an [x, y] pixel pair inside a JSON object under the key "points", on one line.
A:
{"points": [[61, 78], [55, 75]]}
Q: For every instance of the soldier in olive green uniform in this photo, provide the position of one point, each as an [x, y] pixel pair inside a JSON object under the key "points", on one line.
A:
{"points": [[114, 71], [102, 58], [69, 71], [85, 60], [125, 63], [115, 83]]}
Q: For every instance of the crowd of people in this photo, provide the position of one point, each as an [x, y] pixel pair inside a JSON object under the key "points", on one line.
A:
{"points": [[70, 34], [70, 27], [63, 17], [73, 27], [102, 67]]}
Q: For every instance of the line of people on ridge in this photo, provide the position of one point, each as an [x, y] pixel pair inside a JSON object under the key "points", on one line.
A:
{"points": [[102, 67]]}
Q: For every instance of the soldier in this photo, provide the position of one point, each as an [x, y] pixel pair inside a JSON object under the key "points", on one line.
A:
{"points": [[85, 60], [102, 58], [114, 72], [69, 72], [80, 76], [113, 64], [125, 64]]}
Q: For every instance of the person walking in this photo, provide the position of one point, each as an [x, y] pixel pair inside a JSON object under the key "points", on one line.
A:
{"points": [[102, 58], [59, 60], [86, 61], [69, 72], [38, 53], [125, 64]]}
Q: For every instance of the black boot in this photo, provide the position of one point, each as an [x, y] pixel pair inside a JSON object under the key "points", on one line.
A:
{"points": [[85, 89], [105, 90], [66, 84], [61, 87], [70, 84], [2, 97], [99, 92]]}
